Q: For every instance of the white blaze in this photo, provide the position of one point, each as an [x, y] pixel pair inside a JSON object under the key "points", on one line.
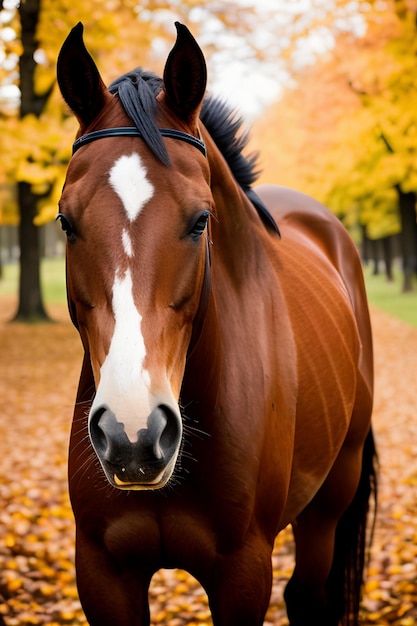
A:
{"points": [[128, 179], [124, 382], [127, 243]]}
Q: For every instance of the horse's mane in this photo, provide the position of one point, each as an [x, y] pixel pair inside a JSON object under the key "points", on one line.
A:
{"points": [[137, 91], [225, 127]]}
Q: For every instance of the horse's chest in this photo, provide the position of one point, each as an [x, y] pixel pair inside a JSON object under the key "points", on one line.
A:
{"points": [[173, 539]]}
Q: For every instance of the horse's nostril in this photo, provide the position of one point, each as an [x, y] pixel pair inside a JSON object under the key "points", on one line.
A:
{"points": [[171, 434], [97, 434], [157, 423], [107, 434]]}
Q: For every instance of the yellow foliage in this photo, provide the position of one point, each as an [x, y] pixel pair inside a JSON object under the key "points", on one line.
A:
{"points": [[46, 213], [35, 173]]}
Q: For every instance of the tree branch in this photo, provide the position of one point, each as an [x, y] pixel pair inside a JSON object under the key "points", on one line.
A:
{"points": [[387, 143]]}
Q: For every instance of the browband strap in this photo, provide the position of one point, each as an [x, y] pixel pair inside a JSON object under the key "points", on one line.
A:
{"points": [[131, 131]]}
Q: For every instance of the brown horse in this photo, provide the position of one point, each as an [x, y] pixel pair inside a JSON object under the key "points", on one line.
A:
{"points": [[226, 388]]}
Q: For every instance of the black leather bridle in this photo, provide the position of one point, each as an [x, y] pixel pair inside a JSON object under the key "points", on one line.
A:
{"points": [[132, 131]]}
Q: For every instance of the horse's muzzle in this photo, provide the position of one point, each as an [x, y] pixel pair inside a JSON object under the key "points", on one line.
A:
{"points": [[146, 463]]}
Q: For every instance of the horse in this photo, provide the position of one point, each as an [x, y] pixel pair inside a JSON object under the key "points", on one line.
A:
{"points": [[227, 380]]}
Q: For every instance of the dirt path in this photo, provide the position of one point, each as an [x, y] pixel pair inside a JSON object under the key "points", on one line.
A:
{"points": [[39, 366]]}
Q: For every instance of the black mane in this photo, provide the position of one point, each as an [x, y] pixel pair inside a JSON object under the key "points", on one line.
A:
{"points": [[225, 127], [137, 91]]}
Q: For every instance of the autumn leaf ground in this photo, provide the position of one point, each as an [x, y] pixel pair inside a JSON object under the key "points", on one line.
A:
{"points": [[39, 365]]}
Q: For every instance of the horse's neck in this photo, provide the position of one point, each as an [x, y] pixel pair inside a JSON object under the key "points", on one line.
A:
{"points": [[237, 253], [235, 229]]}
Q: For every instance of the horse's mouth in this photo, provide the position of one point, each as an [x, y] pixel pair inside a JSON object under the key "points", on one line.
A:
{"points": [[159, 482]]}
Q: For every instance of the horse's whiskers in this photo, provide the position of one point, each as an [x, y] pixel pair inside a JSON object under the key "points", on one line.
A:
{"points": [[81, 442], [89, 402], [197, 432], [90, 460]]}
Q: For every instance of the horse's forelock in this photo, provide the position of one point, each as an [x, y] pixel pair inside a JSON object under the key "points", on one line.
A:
{"points": [[137, 91]]}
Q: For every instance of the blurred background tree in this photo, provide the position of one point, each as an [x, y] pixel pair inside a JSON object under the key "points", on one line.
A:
{"points": [[347, 131]]}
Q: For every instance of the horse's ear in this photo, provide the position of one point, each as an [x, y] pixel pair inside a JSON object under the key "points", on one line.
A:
{"points": [[79, 79], [185, 76]]}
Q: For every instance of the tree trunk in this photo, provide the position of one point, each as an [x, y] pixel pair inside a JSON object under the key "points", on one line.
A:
{"points": [[407, 206], [31, 306], [30, 297], [387, 252], [375, 256], [366, 245]]}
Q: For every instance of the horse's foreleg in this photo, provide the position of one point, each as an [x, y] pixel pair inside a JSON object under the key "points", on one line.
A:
{"points": [[305, 594], [308, 596], [110, 594], [240, 586]]}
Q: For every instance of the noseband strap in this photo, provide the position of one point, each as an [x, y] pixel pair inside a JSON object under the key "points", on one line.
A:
{"points": [[131, 131]]}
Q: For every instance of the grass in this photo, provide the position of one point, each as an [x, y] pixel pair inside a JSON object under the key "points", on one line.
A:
{"points": [[388, 297], [52, 277], [382, 294]]}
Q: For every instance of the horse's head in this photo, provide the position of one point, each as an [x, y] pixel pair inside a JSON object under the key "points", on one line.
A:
{"points": [[135, 210]]}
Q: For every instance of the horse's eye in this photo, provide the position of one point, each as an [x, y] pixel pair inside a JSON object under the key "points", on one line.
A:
{"points": [[200, 225], [66, 227]]}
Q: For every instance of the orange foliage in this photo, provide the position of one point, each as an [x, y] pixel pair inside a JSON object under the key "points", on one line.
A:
{"points": [[347, 132]]}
